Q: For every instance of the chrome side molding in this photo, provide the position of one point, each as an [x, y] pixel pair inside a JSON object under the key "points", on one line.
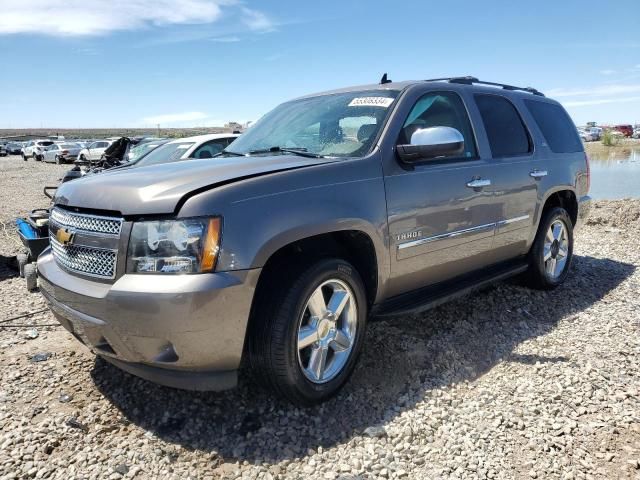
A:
{"points": [[457, 233]]}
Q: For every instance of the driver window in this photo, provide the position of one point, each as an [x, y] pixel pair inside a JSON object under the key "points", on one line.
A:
{"points": [[440, 109]]}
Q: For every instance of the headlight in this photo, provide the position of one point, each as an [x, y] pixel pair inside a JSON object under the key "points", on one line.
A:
{"points": [[174, 246]]}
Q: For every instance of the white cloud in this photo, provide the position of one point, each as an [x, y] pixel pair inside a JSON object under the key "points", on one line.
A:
{"points": [[600, 90], [599, 101], [256, 20], [228, 39], [607, 72], [174, 118], [96, 17]]}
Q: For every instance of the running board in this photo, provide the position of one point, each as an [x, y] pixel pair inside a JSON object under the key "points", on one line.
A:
{"points": [[418, 301]]}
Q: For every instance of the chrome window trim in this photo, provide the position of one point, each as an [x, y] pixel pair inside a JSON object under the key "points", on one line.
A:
{"points": [[457, 233]]}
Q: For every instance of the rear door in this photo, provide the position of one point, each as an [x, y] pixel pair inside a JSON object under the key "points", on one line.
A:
{"points": [[515, 164], [440, 226]]}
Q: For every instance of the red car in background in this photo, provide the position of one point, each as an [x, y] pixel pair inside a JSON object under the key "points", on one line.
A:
{"points": [[626, 130]]}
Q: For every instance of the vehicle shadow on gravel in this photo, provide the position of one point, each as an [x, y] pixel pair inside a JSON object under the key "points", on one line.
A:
{"points": [[404, 360], [8, 267]]}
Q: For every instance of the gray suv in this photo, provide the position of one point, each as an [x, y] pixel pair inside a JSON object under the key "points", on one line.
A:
{"points": [[333, 208]]}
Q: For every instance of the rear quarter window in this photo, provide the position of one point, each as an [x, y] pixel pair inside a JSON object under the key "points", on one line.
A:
{"points": [[556, 126]]}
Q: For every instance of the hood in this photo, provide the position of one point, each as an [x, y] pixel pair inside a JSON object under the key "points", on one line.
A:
{"points": [[157, 189]]}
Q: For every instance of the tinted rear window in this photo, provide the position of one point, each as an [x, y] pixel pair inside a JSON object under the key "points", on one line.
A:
{"points": [[505, 129], [556, 126]]}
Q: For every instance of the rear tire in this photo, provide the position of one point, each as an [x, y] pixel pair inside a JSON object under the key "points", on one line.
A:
{"points": [[58, 162], [552, 251], [22, 259], [31, 276], [303, 357]]}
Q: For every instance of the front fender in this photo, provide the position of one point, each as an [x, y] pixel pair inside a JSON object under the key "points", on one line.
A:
{"points": [[262, 215]]}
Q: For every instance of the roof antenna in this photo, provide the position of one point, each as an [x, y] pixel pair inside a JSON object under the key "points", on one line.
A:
{"points": [[384, 79]]}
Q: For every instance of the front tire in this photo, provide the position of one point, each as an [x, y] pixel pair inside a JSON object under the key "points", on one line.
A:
{"points": [[309, 330], [31, 276], [552, 250]]}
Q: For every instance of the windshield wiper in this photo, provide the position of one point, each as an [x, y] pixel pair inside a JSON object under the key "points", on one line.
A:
{"points": [[301, 151], [229, 152]]}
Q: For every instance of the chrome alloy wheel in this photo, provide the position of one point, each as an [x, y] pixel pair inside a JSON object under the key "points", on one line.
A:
{"points": [[327, 330], [556, 249]]}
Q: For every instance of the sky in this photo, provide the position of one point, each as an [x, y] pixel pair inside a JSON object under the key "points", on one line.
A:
{"points": [[181, 63]]}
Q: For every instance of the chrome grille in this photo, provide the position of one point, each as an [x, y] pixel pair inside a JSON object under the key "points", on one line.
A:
{"points": [[87, 223], [96, 262]]}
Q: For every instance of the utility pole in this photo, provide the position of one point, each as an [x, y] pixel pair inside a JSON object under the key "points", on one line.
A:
{"points": [[158, 130]]}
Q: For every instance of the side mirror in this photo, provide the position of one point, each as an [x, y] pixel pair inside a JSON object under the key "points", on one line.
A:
{"points": [[430, 143]]}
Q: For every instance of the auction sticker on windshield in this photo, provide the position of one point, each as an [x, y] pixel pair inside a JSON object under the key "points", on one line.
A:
{"points": [[383, 102]]}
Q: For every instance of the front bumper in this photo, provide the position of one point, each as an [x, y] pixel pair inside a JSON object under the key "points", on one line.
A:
{"points": [[183, 331], [584, 208]]}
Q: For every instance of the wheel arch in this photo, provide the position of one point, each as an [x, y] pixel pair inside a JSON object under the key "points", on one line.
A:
{"points": [[561, 197], [355, 245]]}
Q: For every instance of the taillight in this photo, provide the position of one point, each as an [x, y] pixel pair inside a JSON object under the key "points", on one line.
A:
{"points": [[586, 159]]}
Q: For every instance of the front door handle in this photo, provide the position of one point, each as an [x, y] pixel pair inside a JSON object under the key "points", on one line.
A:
{"points": [[538, 174], [479, 183]]}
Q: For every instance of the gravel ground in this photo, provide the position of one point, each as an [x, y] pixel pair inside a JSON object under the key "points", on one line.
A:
{"points": [[506, 383]]}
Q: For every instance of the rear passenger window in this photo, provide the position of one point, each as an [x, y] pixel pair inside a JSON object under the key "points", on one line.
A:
{"points": [[556, 126], [505, 129]]}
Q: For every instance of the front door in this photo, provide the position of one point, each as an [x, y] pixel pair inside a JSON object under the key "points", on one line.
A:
{"points": [[441, 212]]}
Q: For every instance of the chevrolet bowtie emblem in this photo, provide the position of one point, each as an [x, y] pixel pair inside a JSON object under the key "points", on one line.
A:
{"points": [[65, 236]]}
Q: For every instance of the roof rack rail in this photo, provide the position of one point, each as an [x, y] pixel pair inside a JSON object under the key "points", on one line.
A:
{"points": [[473, 80]]}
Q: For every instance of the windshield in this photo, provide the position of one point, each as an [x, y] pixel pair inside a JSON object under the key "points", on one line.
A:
{"points": [[139, 150], [340, 125], [169, 152]]}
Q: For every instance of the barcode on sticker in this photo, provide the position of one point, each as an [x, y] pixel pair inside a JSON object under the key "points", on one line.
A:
{"points": [[383, 102]]}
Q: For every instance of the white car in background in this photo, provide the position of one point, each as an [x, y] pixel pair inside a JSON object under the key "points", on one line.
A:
{"points": [[198, 147], [35, 149], [94, 151]]}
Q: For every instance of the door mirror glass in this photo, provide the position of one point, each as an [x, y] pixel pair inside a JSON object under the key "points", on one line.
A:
{"points": [[432, 143]]}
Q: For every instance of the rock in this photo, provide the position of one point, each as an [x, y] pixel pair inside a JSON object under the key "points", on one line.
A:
{"points": [[375, 432], [40, 357], [65, 398], [31, 334]]}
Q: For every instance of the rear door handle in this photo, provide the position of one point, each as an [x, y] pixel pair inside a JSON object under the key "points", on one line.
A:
{"points": [[538, 174], [479, 183]]}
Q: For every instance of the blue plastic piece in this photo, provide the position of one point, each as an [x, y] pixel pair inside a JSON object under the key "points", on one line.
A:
{"points": [[27, 230]]}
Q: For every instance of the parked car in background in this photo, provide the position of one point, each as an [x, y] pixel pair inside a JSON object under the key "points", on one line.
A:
{"points": [[144, 147], [585, 136], [596, 132], [636, 133], [14, 148], [626, 130], [200, 146], [64, 152], [3, 150], [94, 150], [35, 148]]}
